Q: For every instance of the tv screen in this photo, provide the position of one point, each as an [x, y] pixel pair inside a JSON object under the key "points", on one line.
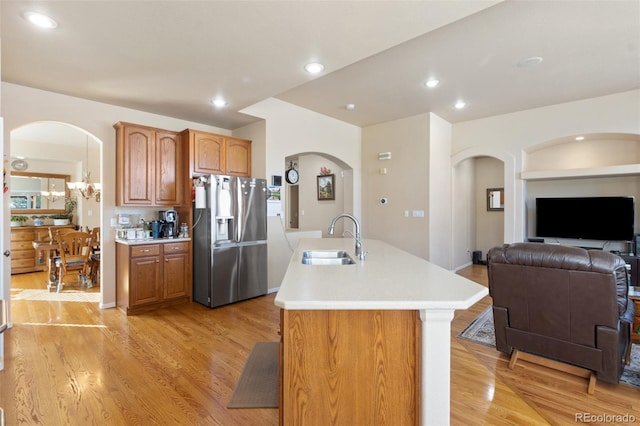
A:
{"points": [[592, 218]]}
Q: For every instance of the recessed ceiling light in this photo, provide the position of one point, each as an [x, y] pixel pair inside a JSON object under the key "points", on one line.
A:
{"points": [[460, 104], [40, 20], [350, 107], [579, 138], [530, 62], [431, 83], [219, 102], [314, 67]]}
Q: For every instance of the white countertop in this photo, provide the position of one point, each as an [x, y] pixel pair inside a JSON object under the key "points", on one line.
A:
{"points": [[151, 241], [389, 278]]}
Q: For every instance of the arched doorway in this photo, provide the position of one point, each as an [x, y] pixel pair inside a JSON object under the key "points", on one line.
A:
{"points": [[478, 228], [304, 209], [60, 148]]}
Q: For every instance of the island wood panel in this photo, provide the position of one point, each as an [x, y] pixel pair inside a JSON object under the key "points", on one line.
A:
{"points": [[350, 367]]}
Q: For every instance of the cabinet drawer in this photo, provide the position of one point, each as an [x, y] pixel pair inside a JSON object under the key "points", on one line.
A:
{"points": [[22, 245], [22, 254], [147, 250], [23, 235], [176, 247], [23, 263]]}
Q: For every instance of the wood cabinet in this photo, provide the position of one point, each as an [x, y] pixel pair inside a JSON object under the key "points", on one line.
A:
{"points": [[635, 334], [349, 367], [210, 153], [24, 257], [150, 166], [150, 276], [237, 157]]}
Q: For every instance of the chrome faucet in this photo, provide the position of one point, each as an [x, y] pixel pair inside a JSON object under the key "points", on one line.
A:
{"points": [[359, 252]]}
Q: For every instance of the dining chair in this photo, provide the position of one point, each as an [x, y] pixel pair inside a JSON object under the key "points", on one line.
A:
{"points": [[94, 257], [74, 249]]}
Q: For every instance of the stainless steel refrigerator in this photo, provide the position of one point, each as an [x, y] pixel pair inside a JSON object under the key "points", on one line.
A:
{"points": [[230, 240]]}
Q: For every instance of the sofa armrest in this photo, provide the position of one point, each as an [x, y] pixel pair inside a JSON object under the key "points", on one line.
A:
{"points": [[630, 313]]}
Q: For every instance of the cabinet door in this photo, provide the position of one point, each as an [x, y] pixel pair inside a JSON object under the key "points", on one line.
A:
{"points": [[135, 164], [168, 169], [238, 157], [175, 275], [145, 281], [208, 153], [23, 255]]}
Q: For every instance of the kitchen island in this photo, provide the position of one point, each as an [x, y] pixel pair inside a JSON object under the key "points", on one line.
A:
{"points": [[368, 342]]}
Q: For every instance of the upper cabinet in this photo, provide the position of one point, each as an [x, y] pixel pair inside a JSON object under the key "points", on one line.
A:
{"points": [[238, 157], [210, 153], [149, 166]]}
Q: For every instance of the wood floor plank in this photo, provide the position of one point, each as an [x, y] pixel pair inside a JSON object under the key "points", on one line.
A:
{"points": [[71, 363]]}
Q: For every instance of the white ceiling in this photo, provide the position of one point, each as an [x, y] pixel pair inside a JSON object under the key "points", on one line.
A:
{"points": [[172, 57]]}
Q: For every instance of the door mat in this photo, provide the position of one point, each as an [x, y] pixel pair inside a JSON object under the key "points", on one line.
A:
{"points": [[257, 386], [481, 330]]}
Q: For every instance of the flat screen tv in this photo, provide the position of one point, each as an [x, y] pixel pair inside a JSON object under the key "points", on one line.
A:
{"points": [[589, 218]]}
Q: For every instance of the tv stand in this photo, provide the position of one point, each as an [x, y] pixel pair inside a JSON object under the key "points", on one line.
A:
{"points": [[634, 262]]}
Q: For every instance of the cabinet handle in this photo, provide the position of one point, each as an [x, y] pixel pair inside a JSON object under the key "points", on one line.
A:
{"points": [[146, 250]]}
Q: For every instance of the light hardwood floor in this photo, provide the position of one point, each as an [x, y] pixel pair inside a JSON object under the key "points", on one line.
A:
{"points": [[70, 363]]}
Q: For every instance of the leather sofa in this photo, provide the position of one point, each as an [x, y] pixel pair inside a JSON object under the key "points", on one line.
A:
{"points": [[562, 303]]}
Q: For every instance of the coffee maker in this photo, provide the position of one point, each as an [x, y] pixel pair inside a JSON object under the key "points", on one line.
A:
{"points": [[169, 221]]}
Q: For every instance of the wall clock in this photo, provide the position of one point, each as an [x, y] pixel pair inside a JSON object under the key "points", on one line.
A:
{"points": [[292, 176]]}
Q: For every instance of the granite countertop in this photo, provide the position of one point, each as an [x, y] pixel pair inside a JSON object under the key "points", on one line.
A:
{"points": [[151, 241], [389, 278]]}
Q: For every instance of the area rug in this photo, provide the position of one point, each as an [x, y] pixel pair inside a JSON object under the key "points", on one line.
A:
{"points": [[63, 296], [481, 330], [258, 383]]}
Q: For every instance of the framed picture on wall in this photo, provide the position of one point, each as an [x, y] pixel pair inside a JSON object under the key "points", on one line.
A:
{"points": [[495, 199], [326, 188]]}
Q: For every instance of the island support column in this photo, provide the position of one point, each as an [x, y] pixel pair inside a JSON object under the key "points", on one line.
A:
{"points": [[436, 366]]}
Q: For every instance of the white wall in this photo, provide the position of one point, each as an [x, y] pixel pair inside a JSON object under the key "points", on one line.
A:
{"points": [[489, 173], [291, 130], [463, 202], [22, 105], [440, 197], [316, 214], [506, 137], [405, 184]]}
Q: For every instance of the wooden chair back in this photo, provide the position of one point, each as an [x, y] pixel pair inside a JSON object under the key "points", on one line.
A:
{"points": [[74, 249]]}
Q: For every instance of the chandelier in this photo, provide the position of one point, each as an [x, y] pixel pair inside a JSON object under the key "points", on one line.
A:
{"points": [[87, 188], [52, 195]]}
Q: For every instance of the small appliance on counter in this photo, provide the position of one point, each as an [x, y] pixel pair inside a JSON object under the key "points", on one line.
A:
{"points": [[169, 223], [130, 233]]}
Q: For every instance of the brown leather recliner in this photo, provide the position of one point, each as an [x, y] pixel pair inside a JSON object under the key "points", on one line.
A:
{"points": [[563, 303]]}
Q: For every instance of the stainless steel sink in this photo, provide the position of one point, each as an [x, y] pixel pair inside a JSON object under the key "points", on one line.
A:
{"points": [[326, 257]]}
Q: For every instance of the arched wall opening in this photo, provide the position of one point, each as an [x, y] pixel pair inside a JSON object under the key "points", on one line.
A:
{"points": [[304, 208], [62, 148]]}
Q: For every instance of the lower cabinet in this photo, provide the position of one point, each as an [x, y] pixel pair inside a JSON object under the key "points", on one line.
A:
{"points": [[24, 257], [356, 367], [152, 276]]}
